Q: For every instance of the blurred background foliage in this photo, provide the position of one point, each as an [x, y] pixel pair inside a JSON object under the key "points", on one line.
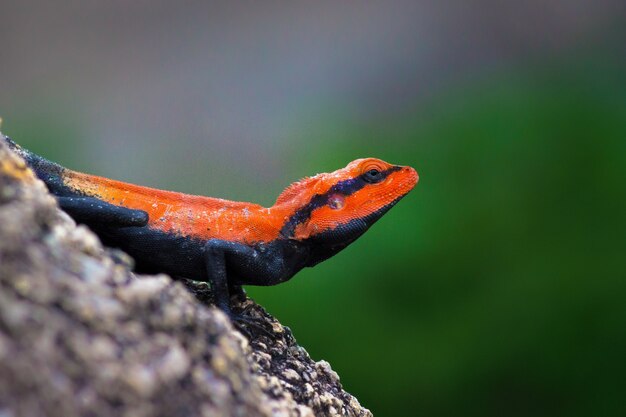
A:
{"points": [[497, 287]]}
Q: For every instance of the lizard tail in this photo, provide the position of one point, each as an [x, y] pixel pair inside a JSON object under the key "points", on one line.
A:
{"points": [[48, 171]]}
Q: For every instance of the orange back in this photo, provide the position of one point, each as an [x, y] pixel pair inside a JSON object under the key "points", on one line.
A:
{"points": [[184, 214]]}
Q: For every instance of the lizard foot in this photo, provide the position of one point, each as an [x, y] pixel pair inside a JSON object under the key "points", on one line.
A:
{"points": [[250, 326]]}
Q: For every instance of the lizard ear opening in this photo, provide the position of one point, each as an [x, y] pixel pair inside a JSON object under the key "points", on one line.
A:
{"points": [[336, 201]]}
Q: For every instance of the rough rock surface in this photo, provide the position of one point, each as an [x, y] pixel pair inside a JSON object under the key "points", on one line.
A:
{"points": [[80, 335]]}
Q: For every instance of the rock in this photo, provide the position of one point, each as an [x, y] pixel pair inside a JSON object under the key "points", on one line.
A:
{"points": [[81, 335]]}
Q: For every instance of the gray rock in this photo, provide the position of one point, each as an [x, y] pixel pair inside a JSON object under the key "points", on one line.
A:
{"points": [[81, 335]]}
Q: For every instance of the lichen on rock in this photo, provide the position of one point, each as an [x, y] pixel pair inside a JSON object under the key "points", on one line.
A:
{"points": [[81, 335]]}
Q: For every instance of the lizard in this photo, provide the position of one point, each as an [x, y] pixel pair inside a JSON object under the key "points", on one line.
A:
{"points": [[228, 243]]}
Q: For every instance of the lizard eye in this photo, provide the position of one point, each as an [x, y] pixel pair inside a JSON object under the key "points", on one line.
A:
{"points": [[373, 176]]}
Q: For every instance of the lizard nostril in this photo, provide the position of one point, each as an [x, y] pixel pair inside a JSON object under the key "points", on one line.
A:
{"points": [[412, 172]]}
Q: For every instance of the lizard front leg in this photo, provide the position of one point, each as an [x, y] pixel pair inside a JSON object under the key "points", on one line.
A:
{"points": [[216, 254]]}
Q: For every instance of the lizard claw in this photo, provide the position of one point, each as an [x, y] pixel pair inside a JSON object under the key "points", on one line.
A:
{"points": [[245, 324]]}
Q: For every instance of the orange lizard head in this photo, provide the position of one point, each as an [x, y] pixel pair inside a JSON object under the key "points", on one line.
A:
{"points": [[336, 208]]}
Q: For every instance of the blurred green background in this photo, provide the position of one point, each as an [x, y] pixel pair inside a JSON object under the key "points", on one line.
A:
{"points": [[497, 287]]}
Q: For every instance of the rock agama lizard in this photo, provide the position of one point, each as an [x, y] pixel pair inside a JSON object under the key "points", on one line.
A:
{"points": [[230, 243]]}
